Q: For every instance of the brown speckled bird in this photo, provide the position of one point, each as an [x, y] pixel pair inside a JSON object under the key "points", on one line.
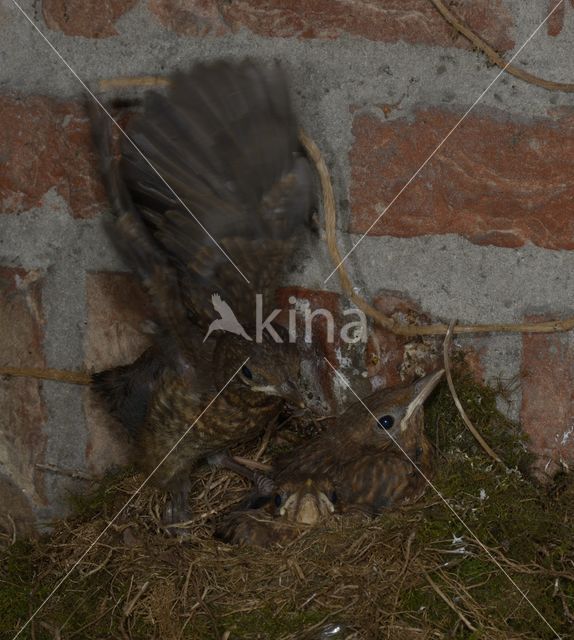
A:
{"points": [[225, 140], [370, 453], [280, 515], [365, 462]]}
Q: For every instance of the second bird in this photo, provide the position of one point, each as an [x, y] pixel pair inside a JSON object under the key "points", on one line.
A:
{"points": [[375, 457]]}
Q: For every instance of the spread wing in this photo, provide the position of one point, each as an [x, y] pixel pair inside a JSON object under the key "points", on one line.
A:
{"points": [[224, 139]]}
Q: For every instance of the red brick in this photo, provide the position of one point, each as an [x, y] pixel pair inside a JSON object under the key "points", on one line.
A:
{"points": [[88, 18], [391, 359], [22, 440], [16, 510], [345, 358], [319, 348], [473, 361], [555, 23], [46, 145], [547, 413], [191, 17], [414, 21], [495, 181], [117, 311]]}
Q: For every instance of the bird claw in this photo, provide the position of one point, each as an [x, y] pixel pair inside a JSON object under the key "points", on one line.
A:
{"points": [[264, 486], [176, 513]]}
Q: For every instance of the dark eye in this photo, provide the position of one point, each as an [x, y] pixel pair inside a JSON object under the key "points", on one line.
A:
{"points": [[386, 422], [333, 497], [278, 500], [246, 372]]}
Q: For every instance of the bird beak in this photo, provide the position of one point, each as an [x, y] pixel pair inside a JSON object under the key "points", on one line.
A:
{"points": [[291, 393], [308, 505], [423, 388]]}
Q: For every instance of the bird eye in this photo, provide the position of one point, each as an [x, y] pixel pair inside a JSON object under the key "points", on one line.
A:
{"points": [[278, 500], [246, 373], [333, 497], [386, 422]]}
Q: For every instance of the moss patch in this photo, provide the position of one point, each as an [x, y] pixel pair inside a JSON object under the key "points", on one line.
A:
{"points": [[389, 577]]}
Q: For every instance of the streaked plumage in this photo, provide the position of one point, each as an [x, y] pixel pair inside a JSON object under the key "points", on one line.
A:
{"points": [[369, 470], [355, 465], [225, 140]]}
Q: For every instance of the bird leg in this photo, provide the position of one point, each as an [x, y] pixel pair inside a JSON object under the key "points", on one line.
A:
{"points": [[176, 509], [263, 484]]}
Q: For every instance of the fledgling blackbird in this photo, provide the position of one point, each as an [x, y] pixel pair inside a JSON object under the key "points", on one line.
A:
{"points": [[279, 516], [370, 453], [224, 138], [353, 466]]}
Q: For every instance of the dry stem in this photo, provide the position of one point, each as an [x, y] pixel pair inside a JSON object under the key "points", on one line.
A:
{"points": [[493, 56]]}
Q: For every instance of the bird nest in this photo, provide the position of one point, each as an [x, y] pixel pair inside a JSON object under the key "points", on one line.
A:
{"points": [[415, 572]]}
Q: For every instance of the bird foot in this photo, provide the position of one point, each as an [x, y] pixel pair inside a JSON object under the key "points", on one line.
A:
{"points": [[264, 485], [176, 513]]}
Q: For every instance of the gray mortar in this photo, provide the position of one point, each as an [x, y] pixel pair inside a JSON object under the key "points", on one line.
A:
{"points": [[447, 275]]}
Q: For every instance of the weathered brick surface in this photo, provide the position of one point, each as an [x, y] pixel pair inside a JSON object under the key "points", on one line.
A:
{"points": [[318, 345], [45, 144], [192, 18], [392, 359], [495, 181], [88, 18], [414, 21], [117, 309], [16, 510], [556, 21], [22, 439], [547, 413]]}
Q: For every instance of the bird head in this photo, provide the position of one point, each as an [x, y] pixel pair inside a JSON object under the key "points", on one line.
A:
{"points": [[396, 413], [267, 367], [305, 502]]}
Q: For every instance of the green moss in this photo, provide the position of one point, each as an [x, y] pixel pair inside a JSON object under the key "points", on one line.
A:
{"points": [[16, 577], [266, 623], [448, 432], [503, 508], [531, 527]]}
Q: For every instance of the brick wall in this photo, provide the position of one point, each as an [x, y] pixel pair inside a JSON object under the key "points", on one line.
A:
{"points": [[484, 233]]}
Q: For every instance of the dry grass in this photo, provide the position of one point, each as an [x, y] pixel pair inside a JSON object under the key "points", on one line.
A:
{"points": [[406, 574]]}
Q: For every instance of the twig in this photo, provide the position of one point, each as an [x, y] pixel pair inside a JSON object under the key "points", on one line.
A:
{"points": [[14, 529], [449, 603], [401, 579], [265, 441], [131, 604], [100, 566], [73, 377], [314, 153], [551, 326], [53, 630], [252, 464], [493, 56], [72, 473], [466, 419], [141, 81]]}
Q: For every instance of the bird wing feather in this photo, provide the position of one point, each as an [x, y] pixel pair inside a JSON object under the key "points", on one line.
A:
{"points": [[225, 140]]}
